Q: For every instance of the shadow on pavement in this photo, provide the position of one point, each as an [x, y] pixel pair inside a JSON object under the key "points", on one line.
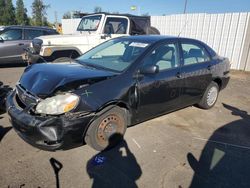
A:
{"points": [[224, 161], [3, 131], [11, 65], [57, 166], [116, 167], [4, 90]]}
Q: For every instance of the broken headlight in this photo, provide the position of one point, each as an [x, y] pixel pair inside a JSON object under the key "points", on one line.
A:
{"points": [[58, 104]]}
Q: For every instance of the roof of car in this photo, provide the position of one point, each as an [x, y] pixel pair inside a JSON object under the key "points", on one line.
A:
{"points": [[28, 27], [115, 14], [155, 38], [149, 38]]}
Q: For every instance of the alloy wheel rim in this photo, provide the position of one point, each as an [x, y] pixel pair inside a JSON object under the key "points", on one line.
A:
{"points": [[212, 96]]}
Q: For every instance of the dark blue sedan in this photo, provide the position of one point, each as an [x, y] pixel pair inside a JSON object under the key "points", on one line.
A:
{"points": [[119, 83]]}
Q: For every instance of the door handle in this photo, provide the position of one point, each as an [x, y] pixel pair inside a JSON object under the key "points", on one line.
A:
{"points": [[178, 75], [21, 44]]}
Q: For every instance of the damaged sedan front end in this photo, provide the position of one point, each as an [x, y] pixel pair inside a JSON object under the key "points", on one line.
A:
{"points": [[46, 131], [53, 116]]}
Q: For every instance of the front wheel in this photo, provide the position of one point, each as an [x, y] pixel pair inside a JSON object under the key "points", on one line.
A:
{"points": [[210, 96], [107, 129]]}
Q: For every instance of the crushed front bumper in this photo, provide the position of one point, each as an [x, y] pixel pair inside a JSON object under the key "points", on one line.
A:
{"points": [[48, 132]]}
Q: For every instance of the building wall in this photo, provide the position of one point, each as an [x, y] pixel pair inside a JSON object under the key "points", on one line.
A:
{"points": [[228, 34]]}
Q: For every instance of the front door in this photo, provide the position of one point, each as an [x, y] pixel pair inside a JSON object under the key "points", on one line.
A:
{"points": [[115, 26], [159, 93], [12, 45]]}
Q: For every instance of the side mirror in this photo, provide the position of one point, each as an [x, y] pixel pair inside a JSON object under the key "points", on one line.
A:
{"points": [[149, 69], [1, 39]]}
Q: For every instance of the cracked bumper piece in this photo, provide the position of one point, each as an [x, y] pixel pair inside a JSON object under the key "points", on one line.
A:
{"points": [[49, 132]]}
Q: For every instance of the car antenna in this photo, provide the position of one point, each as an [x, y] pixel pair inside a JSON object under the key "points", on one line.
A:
{"points": [[70, 57], [184, 27]]}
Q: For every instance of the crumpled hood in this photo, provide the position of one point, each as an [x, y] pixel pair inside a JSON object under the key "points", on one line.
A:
{"points": [[76, 39], [43, 79]]}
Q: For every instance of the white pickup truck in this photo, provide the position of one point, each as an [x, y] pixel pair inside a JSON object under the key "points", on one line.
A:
{"points": [[92, 30]]}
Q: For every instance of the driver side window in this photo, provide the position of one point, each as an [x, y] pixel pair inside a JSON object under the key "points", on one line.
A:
{"points": [[164, 56], [12, 34]]}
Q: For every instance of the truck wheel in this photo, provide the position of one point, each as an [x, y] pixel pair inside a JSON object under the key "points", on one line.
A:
{"points": [[108, 129], [152, 31], [210, 96], [62, 60]]}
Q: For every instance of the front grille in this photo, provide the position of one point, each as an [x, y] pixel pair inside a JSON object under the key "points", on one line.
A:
{"points": [[37, 44], [25, 97]]}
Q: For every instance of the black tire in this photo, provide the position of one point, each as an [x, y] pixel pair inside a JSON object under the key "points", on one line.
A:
{"points": [[205, 103], [62, 60], [110, 118], [4, 91], [152, 31]]}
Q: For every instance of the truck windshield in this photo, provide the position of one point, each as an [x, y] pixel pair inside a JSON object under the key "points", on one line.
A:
{"points": [[115, 55], [89, 23]]}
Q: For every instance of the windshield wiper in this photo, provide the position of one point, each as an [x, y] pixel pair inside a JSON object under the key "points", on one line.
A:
{"points": [[96, 66], [83, 63]]}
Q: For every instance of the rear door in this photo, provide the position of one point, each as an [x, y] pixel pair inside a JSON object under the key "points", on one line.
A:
{"points": [[30, 34], [159, 93], [196, 70], [12, 45]]}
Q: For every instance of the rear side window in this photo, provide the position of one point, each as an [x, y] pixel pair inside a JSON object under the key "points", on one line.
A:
{"points": [[194, 53], [31, 34], [116, 26], [11, 34]]}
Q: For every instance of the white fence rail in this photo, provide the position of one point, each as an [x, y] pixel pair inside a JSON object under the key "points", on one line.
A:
{"points": [[228, 34]]}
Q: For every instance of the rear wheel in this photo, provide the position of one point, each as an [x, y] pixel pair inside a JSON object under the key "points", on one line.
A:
{"points": [[210, 96], [152, 31], [108, 129], [62, 60]]}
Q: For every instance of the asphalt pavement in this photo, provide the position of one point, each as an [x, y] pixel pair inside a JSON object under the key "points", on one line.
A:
{"points": [[187, 148]]}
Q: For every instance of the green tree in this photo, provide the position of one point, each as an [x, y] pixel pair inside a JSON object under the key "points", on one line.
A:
{"points": [[67, 15], [97, 9], [7, 12], [21, 13], [2, 7], [39, 13]]}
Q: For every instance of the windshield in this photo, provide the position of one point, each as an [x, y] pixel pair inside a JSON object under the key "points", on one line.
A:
{"points": [[115, 55], [89, 23]]}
